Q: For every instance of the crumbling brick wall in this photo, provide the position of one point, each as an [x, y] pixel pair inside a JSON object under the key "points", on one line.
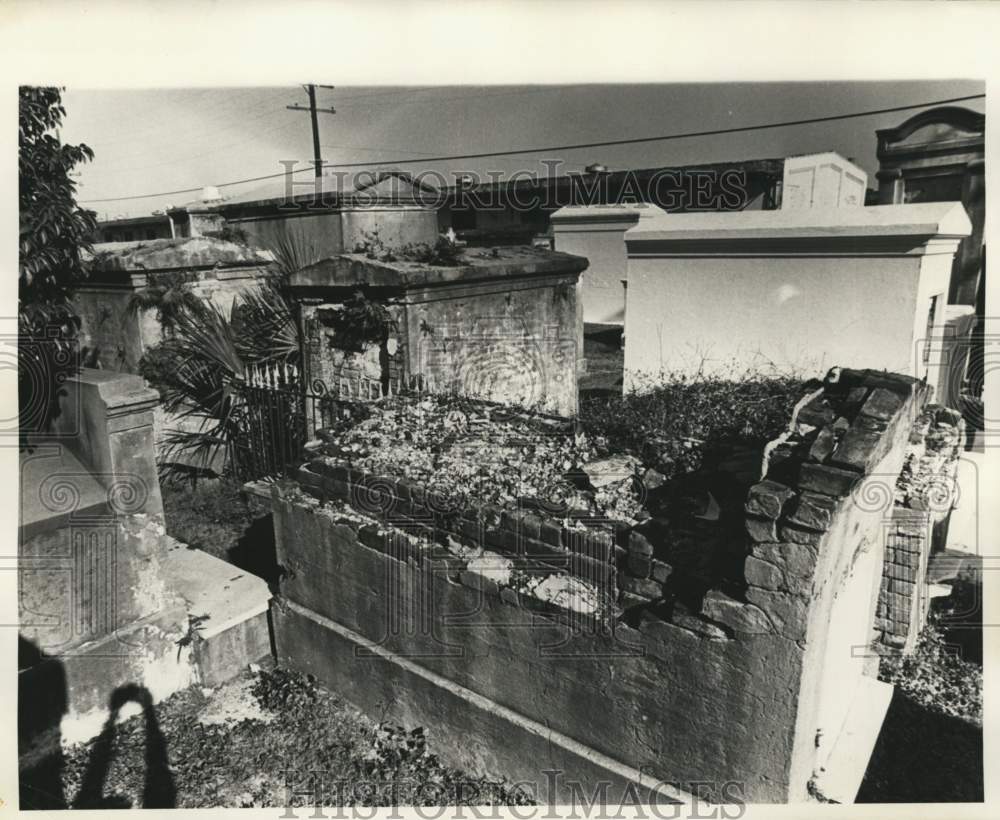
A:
{"points": [[447, 625], [917, 525]]}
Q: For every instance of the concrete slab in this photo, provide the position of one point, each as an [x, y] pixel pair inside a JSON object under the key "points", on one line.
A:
{"points": [[226, 594], [841, 777]]}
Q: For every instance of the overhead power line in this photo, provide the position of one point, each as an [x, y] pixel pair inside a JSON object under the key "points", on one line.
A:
{"points": [[573, 146]]}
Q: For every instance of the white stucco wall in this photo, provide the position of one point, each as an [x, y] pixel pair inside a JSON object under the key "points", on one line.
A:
{"points": [[598, 234], [799, 290]]}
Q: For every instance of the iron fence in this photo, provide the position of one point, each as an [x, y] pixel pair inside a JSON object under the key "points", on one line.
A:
{"points": [[279, 411]]}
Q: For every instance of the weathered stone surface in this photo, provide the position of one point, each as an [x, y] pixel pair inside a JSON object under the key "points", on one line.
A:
{"points": [[653, 479], [642, 586], [737, 615], [822, 478], [817, 413], [797, 561], [812, 511], [799, 536], [639, 544], [857, 449], [760, 573], [787, 612], [760, 529], [641, 566], [882, 404], [767, 499], [823, 445], [661, 571], [692, 623]]}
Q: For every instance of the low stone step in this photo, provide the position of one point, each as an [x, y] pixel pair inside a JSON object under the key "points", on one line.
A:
{"points": [[227, 608]]}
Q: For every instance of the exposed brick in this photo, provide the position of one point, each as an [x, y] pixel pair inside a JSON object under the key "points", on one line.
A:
{"points": [[639, 544], [881, 404], [371, 537], [404, 489], [762, 574], [901, 586], [640, 566], [531, 526], [855, 398], [661, 571], [546, 552], [822, 478], [737, 615], [595, 572], [816, 413], [597, 545], [823, 445], [812, 511], [692, 623], [551, 533], [767, 498], [630, 599], [760, 529], [799, 536], [472, 530], [641, 586], [798, 561], [904, 573], [857, 449], [787, 612]]}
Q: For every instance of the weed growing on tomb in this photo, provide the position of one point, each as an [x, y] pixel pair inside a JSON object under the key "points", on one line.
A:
{"points": [[464, 450], [443, 253], [670, 424]]}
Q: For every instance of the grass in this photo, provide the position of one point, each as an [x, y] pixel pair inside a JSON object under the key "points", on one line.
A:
{"points": [[215, 517], [283, 735]]}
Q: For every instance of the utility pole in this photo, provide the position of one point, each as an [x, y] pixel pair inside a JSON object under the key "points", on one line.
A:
{"points": [[310, 89]]}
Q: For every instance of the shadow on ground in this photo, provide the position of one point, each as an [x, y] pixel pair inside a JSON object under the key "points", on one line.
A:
{"points": [[924, 756]]}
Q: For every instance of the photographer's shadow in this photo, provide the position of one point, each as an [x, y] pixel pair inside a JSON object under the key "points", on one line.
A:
{"points": [[159, 791]]}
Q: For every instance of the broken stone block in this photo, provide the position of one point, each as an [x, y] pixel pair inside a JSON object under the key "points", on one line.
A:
{"points": [[823, 445], [799, 536], [639, 544], [882, 404], [812, 511], [642, 586], [653, 479], [767, 498], [738, 616], [788, 613], [817, 413], [760, 529], [607, 471], [822, 478], [639, 565], [693, 623], [760, 573], [857, 449], [661, 571], [797, 561], [855, 398]]}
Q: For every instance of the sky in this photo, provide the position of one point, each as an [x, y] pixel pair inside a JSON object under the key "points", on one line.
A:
{"points": [[156, 140]]}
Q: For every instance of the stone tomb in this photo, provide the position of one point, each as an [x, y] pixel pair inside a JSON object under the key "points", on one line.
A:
{"points": [[795, 290], [500, 324]]}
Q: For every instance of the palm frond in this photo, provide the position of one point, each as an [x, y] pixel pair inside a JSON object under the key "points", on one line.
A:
{"points": [[267, 329], [292, 253]]}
